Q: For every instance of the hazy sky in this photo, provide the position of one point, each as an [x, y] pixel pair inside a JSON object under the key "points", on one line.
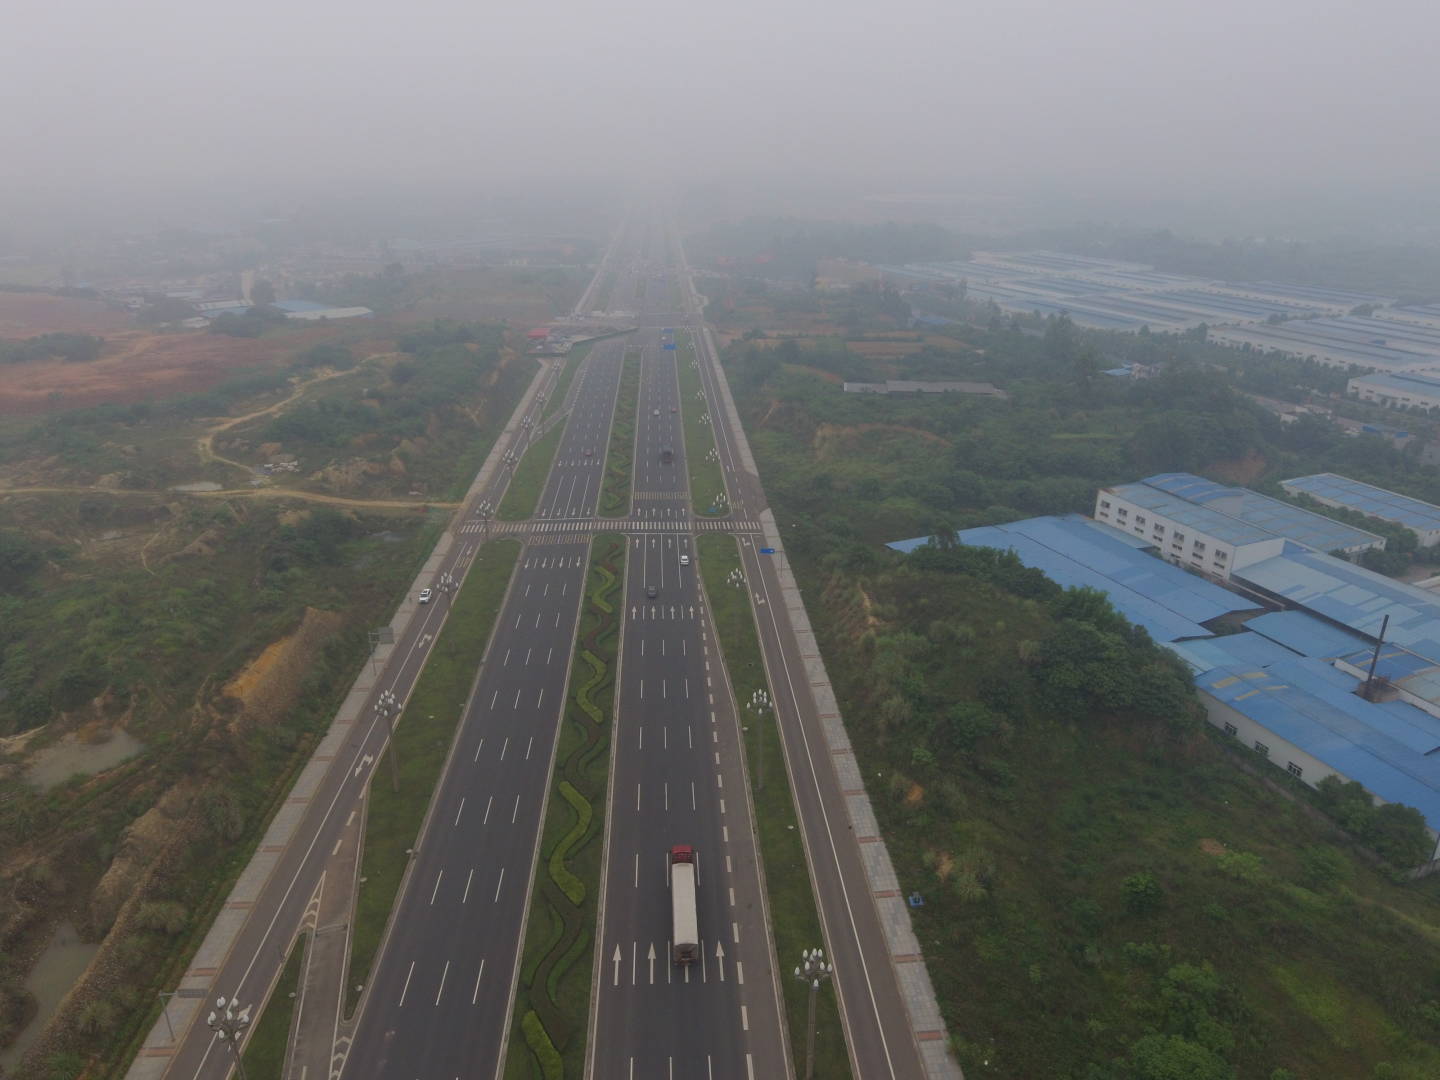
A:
{"points": [[1112, 94]]}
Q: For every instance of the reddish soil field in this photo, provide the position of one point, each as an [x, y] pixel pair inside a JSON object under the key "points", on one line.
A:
{"points": [[141, 366], [32, 314]]}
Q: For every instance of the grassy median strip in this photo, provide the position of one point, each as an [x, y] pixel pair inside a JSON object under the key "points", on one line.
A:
{"points": [[265, 1048], [787, 878], [707, 482], [552, 1002], [620, 458], [423, 735], [528, 482], [567, 376]]}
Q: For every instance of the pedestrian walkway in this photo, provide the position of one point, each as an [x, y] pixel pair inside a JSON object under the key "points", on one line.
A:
{"points": [[621, 525], [679, 496]]}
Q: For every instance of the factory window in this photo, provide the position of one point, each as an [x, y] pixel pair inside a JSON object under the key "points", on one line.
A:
{"points": [[1231, 729], [1179, 536], [1261, 748], [1199, 548], [1122, 512], [1220, 556], [1139, 519], [1104, 504], [1292, 768]]}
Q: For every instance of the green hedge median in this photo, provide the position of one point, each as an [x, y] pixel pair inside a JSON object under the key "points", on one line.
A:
{"points": [[553, 998]]}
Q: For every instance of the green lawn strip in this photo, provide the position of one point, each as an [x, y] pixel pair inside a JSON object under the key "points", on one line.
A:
{"points": [[567, 376], [422, 739], [706, 479], [787, 878], [620, 458], [552, 1003], [528, 482], [265, 1049]]}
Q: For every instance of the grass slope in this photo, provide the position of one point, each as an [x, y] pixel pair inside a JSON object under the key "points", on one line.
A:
{"points": [[553, 998], [794, 920], [422, 739]]}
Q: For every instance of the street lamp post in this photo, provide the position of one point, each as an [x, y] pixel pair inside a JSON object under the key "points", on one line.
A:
{"points": [[229, 1025], [759, 706], [387, 707], [813, 970]]}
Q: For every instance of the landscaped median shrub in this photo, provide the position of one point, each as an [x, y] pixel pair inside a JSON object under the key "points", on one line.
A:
{"points": [[538, 1039], [620, 458], [553, 999]]}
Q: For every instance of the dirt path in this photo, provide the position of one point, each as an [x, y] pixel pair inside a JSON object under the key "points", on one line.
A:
{"points": [[241, 493], [206, 443]]}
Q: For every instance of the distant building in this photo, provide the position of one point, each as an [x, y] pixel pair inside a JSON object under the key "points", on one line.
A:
{"points": [[311, 311], [1396, 391], [1421, 518], [908, 386]]}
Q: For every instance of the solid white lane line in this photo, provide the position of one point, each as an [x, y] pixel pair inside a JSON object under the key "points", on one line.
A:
{"points": [[475, 997], [406, 988], [443, 976], [436, 890]]}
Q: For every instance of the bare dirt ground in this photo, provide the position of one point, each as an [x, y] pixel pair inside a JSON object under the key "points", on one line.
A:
{"points": [[32, 314], [140, 365]]}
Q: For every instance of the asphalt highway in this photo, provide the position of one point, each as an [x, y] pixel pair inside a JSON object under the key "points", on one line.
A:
{"points": [[677, 778], [439, 1003]]}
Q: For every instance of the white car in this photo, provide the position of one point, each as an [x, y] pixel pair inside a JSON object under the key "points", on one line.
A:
{"points": [[684, 560], [425, 595]]}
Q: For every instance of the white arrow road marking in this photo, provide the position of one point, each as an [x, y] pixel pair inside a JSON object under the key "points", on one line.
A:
{"points": [[651, 957], [364, 763], [720, 959], [616, 961]]}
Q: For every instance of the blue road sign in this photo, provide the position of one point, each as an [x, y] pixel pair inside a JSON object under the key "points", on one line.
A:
{"points": [[668, 348], [767, 551]]}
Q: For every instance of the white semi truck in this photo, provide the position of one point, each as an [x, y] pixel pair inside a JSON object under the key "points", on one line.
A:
{"points": [[685, 924]]}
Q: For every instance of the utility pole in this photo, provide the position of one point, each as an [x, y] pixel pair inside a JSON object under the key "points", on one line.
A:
{"points": [[814, 970]]}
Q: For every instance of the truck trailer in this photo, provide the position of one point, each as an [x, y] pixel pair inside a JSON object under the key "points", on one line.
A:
{"points": [[685, 924]]}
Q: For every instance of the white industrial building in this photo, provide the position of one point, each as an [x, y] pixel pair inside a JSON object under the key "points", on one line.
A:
{"points": [[1396, 391], [1185, 534]]}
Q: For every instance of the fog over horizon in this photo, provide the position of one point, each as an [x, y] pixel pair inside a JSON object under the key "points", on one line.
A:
{"points": [[1111, 104]]}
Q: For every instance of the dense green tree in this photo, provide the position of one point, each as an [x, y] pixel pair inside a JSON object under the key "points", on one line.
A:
{"points": [[1171, 1057]]}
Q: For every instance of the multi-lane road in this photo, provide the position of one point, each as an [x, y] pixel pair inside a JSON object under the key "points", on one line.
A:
{"points": [[441, 991]]}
